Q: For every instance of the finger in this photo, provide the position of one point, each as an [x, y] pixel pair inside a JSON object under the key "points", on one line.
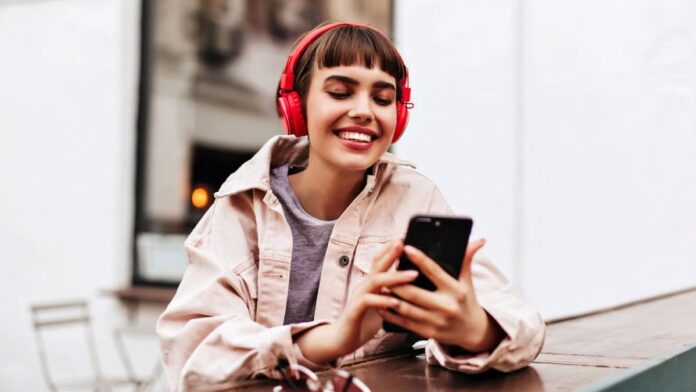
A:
{"points": [[411, 325], [429, 268], [472, 248], [387, 255], [418, 314], [389, 279], [371, 300], [423, 298]]}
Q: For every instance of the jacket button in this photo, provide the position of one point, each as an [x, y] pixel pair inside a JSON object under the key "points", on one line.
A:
{"points": [[343, 261]]}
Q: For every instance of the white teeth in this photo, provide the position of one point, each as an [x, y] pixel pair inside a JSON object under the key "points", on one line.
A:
{"points": [[355, 136]]}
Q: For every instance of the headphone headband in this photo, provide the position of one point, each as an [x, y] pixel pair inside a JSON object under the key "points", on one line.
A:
{"points": [[289, 104]]}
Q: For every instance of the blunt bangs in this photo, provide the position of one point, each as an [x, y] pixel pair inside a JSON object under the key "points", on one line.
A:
{"points": [[352, 45], [349, 45]]}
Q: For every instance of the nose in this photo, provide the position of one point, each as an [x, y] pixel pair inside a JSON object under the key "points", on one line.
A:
{"points": [[361, 109]]}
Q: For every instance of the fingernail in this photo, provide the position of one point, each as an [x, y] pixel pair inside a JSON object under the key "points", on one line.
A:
{"points": [[409, 249], [410, 273], [394, 303]]}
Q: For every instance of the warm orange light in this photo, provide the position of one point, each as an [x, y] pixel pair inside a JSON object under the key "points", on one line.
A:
{"points": [[200, 197]]}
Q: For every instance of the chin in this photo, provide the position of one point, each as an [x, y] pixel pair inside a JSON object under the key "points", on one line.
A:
{"points": [[355, 164]]}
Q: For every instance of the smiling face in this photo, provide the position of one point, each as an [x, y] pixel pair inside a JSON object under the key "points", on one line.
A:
{"points": [[351, 115]]}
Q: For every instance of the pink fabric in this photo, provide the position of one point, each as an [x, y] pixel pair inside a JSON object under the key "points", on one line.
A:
{"points": [[225, 322]]}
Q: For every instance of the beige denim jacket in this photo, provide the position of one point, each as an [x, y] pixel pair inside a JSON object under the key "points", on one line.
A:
{"points": [[225, 323]]}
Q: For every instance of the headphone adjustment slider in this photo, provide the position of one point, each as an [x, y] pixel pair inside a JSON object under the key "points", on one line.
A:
{"points": [[287, 82]]}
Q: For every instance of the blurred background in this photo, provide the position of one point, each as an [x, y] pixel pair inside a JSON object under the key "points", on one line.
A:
{"points": [[567, 130]]}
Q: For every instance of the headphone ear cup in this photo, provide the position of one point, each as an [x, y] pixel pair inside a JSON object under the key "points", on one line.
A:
{"points": [[290, 108], [401, 121]]}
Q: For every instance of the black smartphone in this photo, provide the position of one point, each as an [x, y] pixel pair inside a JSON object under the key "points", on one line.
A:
{"points": [[443, 239]]}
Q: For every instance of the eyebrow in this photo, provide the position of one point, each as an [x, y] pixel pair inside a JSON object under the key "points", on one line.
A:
{"points": [[344, 79]]}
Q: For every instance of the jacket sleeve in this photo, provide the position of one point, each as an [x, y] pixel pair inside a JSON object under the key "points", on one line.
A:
{"points": [[523, 325], [208, 335]]}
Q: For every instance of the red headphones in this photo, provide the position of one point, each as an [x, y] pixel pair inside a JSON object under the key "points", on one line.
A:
{"points": [[289, 101]]}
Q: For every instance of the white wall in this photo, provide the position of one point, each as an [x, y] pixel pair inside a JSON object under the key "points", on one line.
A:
{"points": [[610, 151], [568, 130], [68, 71]]}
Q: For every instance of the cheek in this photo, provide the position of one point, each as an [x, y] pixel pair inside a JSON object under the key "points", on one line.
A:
{"points": [[320, 113], [387, 119]]}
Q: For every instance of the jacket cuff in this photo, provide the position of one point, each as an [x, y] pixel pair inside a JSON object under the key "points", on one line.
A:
{"points": [[299, 358], [454, 358], [518, 348], [284, 347]]}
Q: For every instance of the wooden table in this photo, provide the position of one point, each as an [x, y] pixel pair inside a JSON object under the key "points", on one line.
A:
{"points": [[578, 352]]}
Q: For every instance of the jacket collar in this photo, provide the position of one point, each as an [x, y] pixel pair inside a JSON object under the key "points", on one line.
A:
{"points": [[281, 150]]}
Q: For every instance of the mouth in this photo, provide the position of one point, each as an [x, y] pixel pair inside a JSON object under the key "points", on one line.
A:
{"points": [[356, 134]]}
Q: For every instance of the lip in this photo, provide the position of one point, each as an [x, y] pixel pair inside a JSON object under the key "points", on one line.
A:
{"points": [[355, 145]]}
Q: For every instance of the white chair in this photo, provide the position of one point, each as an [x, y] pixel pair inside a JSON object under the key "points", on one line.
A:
{"points": [[75, 314]]}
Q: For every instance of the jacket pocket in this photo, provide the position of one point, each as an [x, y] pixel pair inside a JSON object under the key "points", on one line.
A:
{"points": [[248, 277], [273, 280], [365, 253]]}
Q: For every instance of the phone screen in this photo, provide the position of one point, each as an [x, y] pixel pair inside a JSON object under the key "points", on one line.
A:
{"points": [[443, 239]]}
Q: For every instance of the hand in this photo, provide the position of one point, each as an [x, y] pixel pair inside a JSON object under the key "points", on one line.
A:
{"points": [[359, 321], [451, 314]]}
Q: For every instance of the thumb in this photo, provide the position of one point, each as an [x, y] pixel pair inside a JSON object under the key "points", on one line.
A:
{"points": [[471, 249]]}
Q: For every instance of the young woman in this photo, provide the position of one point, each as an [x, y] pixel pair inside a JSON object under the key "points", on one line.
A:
{"points": [[296, 258]]}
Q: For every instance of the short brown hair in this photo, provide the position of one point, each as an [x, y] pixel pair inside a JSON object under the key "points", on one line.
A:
{"points": [[348, 45]]}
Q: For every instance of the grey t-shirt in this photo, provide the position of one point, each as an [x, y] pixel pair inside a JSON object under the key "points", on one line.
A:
{"points": [[310, 238]]}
